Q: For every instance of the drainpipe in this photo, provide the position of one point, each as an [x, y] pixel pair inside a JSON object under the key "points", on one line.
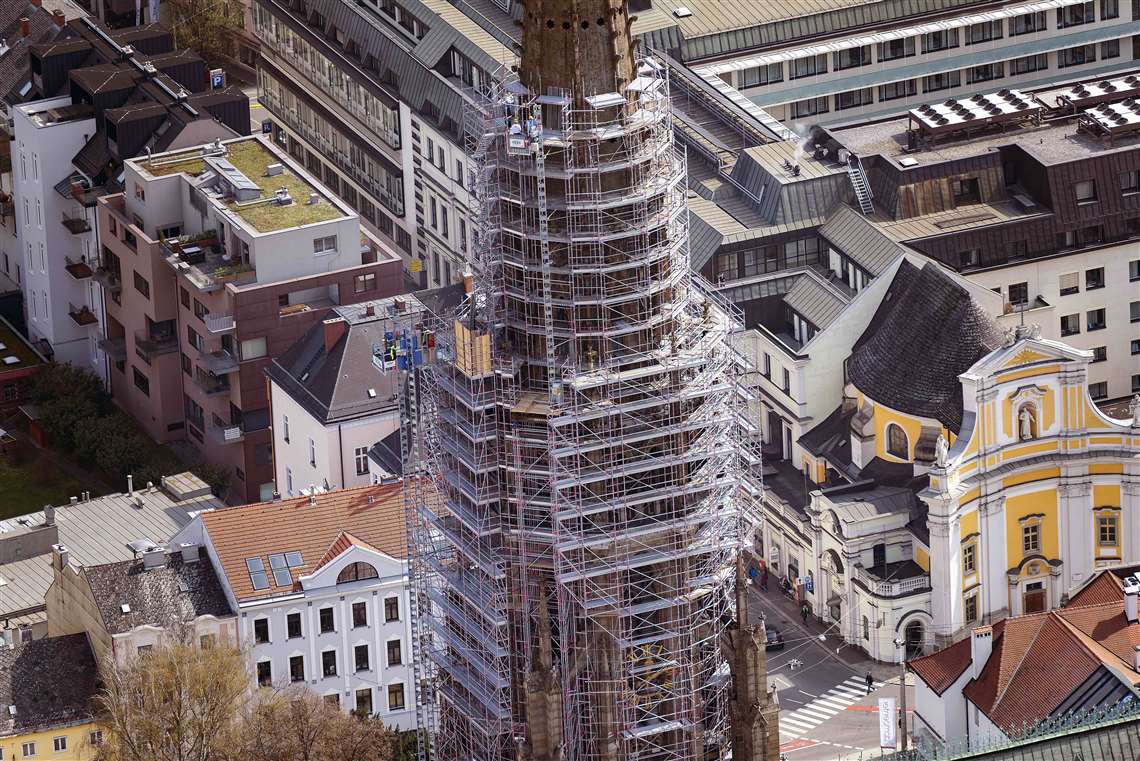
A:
{"points": [[340, 441]]}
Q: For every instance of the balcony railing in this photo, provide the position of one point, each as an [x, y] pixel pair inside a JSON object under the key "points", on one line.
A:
{"points": [[212, 386], [151, 343], [224, 434], [108, 278], [82, 315], [79, 270], [204, 262], [76, 225], [115, 348], [218, 362], [892, 587], [219, 323]]}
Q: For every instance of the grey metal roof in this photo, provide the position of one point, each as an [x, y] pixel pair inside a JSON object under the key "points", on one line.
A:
{"points": [[857, 237], [786, 197], [49, 682], [814, 301], [95, 532]]}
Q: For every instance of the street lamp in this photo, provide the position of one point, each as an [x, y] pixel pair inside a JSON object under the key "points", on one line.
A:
{"points": [[901, 645]]}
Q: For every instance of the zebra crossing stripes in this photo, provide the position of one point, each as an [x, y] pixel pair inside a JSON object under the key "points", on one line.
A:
{"points": [[838, 698]]}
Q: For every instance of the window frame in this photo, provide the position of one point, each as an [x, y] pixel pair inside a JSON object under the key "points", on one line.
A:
{"points": [[891, 448]]}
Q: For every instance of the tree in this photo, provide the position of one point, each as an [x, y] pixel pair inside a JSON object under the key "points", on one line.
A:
{"points": [[295, 724], [177, 702], [67, 396], [208, 27]]}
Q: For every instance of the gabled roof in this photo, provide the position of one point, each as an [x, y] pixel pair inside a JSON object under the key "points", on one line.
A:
{"points": [[815, 302], [309, 526], [343, 543], [50, 681], [940, 670], [926, 332], [855, 235], [1105, 587], [176, 593]]}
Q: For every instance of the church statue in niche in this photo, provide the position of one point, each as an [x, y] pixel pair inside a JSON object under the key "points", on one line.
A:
{"points": [[1027, 423]]}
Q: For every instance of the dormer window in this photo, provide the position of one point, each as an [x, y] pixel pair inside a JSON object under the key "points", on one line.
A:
{"points": [[357, 572]]}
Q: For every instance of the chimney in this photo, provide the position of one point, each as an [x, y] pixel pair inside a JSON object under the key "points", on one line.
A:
{"points": [[1136, 658], [189, 552], [49, 514], [400, 303], [130, 485], [468, 282], [981, 645], [154, 558], [38, 3], [369, 310], [74, 500], [25, 26], [59, 19], [59, 557], [1131, 590], [335, 328]]}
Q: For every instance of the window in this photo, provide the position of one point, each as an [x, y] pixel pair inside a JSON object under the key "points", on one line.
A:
{"points": [[944, 81], [142, 383], [28, 750], [253, 348], [761, 75], [264, 673], [360, 657], [141, 285], [851, 58], [462, 235], [312, 453], [1094, 319], [1107, 525], [1019, 293], [1031, 538], [787, 381], [1135, 383], [59, 744], [810, 107], [971, 257], [1077, 56], [297, 668], [324, 245], [200, 310], [434, 212], [1094, 279], [288, 480], [364, 283], [359, 614], [866, 628], [357, 572], [392, 609], [395, 697], [95, 738], [854, 98], [395, 655], [187, 365], [1070, 284], [1100, 354], [808, 66], [1075, 15], [1109, 49], [1134, 270], [896, 90], [1134, 347], [970, 613], [1134, 311], [1070, 324], [328, 663], [207, 641], [144, 649], [897, 444], [985, 73], [260, 631], [944, 39], [889, 51], [1027, 23], [1130, 181], [364, 701], [969, 558], [1029, 63], [285, 427], [360, 456], [326, 620], [293, 626], [1109, 9], [983, 32], [1099, 390]]}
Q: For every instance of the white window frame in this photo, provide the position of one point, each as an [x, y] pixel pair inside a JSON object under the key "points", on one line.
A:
{"points": [[324, 245]]}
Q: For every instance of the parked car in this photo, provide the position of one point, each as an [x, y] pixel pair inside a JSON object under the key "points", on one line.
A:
{"points": [[775, 640]]}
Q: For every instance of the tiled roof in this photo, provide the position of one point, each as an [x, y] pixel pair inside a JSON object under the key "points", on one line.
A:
{"points": [[940, 670], [342, 543], [924, 314], [50, 681], [1106, 587], [175, 593], [374, 514]]}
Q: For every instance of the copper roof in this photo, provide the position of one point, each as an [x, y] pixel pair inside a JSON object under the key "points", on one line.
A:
{"points": [[373, 514]]}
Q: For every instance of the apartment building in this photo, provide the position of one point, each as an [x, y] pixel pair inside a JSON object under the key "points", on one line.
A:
{"points": [[68, 150], [388, 135], [320, 583], [806, 63], [328, 407], [227, 254]]}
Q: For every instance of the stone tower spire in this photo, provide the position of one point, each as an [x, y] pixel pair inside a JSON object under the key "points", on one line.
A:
{"points": [[579, 45], [753, 713]]}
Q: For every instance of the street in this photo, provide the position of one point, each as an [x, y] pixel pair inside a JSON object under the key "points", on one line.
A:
{"points": [[825, 711]]}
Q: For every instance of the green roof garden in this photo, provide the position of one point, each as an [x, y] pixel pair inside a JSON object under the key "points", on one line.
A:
{"points": [[251, 157], [16, 346]]}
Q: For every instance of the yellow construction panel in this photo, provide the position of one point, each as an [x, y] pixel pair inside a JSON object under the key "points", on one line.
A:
{"points": [[1031, 476], [1106, 496], [472, 351]]}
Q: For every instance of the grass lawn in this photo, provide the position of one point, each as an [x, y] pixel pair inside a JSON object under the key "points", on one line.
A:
{"points": [[27, 488]]}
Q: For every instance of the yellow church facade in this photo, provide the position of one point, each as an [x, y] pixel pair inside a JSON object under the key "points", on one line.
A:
{"points": [[1038, 490]]}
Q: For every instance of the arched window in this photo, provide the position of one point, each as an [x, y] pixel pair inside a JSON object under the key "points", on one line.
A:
{"points": [[896, 442], [356, 572], [1026, 422]]}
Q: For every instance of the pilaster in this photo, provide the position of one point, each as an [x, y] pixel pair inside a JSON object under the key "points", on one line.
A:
{"points": [[1074, 521]]}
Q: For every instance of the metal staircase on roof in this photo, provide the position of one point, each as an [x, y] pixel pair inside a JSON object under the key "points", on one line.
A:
{"points": [[862, 188]]}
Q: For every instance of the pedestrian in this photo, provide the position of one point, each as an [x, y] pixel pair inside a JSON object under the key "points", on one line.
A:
{"points": [[870, 682], [764, 580], [804, 612]]}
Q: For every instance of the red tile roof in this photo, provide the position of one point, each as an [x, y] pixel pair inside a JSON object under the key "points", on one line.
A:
{"points": [[940, 670], [342, 543], [1105, 587], [372, 514]]}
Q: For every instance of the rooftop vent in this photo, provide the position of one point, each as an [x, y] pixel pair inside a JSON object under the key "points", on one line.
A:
{"points": [[273, 170], [371, 393], [682, 12], [12, 710], [282, 197], [314, 198], [125, 608]]}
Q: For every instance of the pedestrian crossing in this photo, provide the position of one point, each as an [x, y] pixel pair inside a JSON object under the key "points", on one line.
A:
{"points": [[838, 698]]}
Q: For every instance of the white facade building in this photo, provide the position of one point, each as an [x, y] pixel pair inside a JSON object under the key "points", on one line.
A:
{"points": [[320, 586]]}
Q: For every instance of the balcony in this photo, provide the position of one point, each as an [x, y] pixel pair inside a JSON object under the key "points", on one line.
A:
{"points": [[76, 225], [82, 315], [898, 580], [115, 348], [212, 386], [108, 278], [218, 362], [223, 433], [205, 262], [79, 270], [219, 323], [75, 186], [155, 342]]}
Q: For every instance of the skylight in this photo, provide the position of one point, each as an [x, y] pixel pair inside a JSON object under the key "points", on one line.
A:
{"points": [[257, 575], [280, 564]]}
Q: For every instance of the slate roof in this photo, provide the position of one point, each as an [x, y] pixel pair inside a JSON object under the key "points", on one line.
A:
{"points": [[51, 682], [386, 454], [175, 593], [856, 236], [374, 514], [814, 301], [15, 73], [924, 316]]}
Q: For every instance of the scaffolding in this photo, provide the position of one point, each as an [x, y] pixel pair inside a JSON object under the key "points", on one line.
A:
{"points": [[583, 447]]}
